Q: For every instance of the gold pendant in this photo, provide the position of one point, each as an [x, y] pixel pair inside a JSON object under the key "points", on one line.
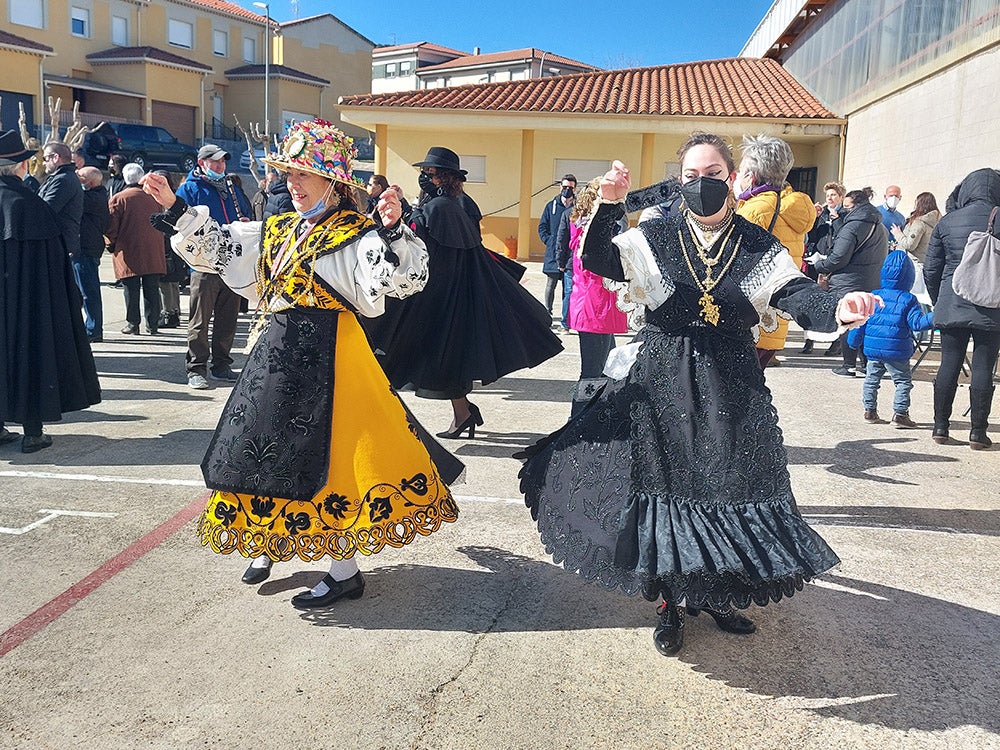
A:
{"points": [[709, 310]]}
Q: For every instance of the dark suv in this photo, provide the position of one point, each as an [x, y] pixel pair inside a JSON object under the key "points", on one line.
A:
{"points": [[150, 146]]}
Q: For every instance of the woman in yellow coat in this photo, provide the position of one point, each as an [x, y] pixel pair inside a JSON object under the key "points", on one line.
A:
{"points": [[766, 200], [314, 456]]}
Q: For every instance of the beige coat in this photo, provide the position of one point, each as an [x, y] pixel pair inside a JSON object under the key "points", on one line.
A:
{"points": [[917, 233], [136, 247]]}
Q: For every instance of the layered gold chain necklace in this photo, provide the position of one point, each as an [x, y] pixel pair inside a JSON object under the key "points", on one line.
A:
{"points": [[719, 234]]}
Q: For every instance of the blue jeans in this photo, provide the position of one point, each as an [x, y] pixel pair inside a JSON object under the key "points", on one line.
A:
{"points": [[89, 280], [899, 370], [567, 290]]}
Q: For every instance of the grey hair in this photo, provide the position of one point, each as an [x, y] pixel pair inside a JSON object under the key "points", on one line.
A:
{"points": [[9, 170], [132, 173], [767, 158]]}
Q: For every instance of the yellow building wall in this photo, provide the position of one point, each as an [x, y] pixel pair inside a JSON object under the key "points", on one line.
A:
{"points": [[173, 85], [20, 73]]}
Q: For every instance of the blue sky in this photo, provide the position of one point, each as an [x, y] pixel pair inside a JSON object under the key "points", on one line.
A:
{"points": [[610, 34]]}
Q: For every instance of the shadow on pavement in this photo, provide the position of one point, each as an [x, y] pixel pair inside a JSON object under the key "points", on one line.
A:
{"points": [[945, 520], [179, 447], [860, 651], [856, 458]]}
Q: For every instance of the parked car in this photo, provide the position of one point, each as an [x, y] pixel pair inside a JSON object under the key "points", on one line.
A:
{"points": [[151, 146]]}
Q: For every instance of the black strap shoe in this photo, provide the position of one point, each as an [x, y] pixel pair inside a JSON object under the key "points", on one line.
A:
{"points": [[32, 443], [352, 588], [727, 619], [255, 575], [668, 635]]}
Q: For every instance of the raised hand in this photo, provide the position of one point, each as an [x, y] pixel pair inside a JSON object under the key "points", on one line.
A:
{"points": [[616, 183], [158, 187], [389, 208], [856, 307]]}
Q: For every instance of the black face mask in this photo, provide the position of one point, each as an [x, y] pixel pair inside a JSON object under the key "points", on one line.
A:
{"points": [[567, 192], [705, 196], [426, 184]]}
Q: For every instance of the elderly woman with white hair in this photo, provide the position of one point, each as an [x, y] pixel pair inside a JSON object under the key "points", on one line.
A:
{"points": [[136, 250], [766, 200]]}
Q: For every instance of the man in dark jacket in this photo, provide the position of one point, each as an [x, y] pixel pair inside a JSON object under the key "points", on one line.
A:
{"points": [[93, 225], [279, 200], [957, 318], [39, 304], [548, 231], [63, 192], [209, 185], [854, 263]]}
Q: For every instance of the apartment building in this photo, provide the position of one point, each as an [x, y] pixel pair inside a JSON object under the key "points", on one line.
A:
{"points": [[422, 65], [187, 65]]}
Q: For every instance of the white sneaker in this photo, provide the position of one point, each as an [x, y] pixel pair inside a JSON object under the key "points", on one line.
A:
{"points": [[198, 382]]}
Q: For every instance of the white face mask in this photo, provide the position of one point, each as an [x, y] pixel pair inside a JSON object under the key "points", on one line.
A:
{"points": [[892, 201]]}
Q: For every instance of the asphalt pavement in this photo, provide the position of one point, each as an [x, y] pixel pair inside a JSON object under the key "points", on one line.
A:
{"points": [[118, 630]]}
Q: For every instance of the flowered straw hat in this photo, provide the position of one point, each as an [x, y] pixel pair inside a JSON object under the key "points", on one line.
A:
{"points": [[317, 146]]}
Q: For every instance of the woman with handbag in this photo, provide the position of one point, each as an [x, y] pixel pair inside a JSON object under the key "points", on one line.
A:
{"points": [[957, 318], [854, 263]]}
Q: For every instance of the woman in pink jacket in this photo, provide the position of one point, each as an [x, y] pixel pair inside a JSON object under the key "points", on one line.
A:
{"points": [[593, 309]]}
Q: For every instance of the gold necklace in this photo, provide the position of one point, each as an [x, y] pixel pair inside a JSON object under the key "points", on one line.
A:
{"points": [[710, 261], [710, 228], [710, 311]]}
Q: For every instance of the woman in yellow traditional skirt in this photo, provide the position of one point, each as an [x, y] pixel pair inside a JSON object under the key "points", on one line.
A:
{"points": [[314, 455]]}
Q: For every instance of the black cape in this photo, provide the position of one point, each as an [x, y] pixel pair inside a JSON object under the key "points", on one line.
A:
{"points": [[46, 366], [473, 321]]}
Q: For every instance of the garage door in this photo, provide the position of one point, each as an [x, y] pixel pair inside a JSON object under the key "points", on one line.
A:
{"points": [[177, 118]]}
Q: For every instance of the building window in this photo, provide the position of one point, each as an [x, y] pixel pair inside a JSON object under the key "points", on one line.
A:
{"points": [[119, 30], [249, 49], [220, 43], [28, 13], [180, 34], [475, 166], [79, 22], [584, 169], [406, 68], [390, 70]]}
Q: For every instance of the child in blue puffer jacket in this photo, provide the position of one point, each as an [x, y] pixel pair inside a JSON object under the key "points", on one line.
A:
{"points": [[888, 339]]}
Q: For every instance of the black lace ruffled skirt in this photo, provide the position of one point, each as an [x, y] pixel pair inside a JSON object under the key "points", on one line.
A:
{"points": [[674, 481]]}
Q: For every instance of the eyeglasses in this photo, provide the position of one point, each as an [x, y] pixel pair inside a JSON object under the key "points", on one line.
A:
{"points": [[50, 157]]}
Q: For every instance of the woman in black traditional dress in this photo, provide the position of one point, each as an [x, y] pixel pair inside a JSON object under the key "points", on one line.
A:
{"points": [[673, 482], [473, 321]]}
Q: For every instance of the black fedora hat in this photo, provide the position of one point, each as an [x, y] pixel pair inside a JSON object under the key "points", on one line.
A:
{"points": [[442, 158], [12, 150]]}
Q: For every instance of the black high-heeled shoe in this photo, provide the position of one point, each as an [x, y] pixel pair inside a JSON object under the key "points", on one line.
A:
{"points": [[474, 411], [469, 424], [727, 619]]}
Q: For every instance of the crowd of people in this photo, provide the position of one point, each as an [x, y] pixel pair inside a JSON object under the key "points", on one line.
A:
{"points": [[357, 294]]}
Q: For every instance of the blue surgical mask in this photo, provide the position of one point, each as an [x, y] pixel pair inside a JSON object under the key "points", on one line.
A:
{"points": [[317, 210], [214, 175]]}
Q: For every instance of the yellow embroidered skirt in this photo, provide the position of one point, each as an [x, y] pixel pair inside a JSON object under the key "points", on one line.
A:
{"points": [[382, 487]]}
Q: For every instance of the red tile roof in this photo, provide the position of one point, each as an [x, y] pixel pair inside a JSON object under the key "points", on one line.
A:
{"points": [[423, 45], [143, 54], [13, 40], [232, 9], [514, 55], [733, 87], [276, 71]]}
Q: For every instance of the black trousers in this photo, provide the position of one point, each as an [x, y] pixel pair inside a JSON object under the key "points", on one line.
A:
{"points": [[954, 345], [150, 285]]}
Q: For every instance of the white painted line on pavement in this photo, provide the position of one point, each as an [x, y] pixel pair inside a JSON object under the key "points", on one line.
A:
{"points": [[53, 514], [845, 589], [100, 478]]}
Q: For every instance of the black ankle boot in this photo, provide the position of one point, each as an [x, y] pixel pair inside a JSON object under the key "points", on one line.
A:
{"points": [[727, 619], [944, 396], [980, 401], [668, 635]]}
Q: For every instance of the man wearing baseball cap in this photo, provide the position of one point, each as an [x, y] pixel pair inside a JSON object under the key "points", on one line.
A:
{"points": [[209, 185], [39, 305]]}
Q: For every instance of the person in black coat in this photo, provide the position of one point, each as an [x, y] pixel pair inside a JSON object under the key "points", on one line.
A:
{"points": [[40, 304], [854, 263], [93, 224], [279, 200], [548, 232], [473, 321], [63, 192], [957, 318]]}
